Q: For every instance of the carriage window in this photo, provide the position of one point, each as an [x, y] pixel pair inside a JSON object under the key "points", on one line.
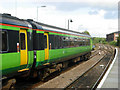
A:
{"points": [[22, 41], [4, 40], [45, 41]]}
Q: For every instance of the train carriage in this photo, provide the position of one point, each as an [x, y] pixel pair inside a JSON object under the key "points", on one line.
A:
{"points": [[28, 46], [59, 44]]}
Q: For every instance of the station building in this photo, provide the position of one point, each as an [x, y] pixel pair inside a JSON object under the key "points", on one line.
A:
{"points": [[112, 36]]}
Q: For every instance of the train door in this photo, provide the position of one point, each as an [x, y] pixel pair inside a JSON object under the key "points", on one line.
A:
{"points": [[23, 49], [46, 46]]}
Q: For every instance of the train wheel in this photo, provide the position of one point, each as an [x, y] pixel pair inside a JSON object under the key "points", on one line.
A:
{"points": [[64, 65], [89, 54], [85, 57]]}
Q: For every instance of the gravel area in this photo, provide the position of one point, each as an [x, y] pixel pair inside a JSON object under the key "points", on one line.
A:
{"points": [[66, 78]]}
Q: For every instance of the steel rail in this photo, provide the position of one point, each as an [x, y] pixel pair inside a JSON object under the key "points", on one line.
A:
{"points": [[103, 73], [70, 85]]}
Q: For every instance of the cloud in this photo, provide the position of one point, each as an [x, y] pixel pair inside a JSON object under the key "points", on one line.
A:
{"points": [[94, 7], [95, 4], [93, 12], [106, 14], [111, 15], [95, 16]]}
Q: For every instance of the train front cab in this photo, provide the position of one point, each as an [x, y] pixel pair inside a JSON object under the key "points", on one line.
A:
{"points": [[19, 61], [16, 52]]}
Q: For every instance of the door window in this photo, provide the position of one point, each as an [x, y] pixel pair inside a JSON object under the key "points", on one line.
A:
{"points": [[45, 41], [22, 41]]}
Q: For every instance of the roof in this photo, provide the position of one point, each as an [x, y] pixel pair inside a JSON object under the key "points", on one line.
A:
{"points": [[114, 32], [40, 25], [8, 19]]}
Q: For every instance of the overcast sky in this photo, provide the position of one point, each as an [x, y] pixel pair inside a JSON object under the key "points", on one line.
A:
{"points": [[99, 17]]}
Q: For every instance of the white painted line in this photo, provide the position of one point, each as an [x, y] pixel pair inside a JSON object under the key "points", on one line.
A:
{"points": [[108, 71]]}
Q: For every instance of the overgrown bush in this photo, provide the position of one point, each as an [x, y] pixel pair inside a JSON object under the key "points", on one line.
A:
{"points": [[114, 43]]}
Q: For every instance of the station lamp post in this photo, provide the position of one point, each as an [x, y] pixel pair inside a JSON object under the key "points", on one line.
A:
{"points": [[69, 20], [37, 10]]}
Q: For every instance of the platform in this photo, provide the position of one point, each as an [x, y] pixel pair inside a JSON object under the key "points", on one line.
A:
{"points": [[111, 78]]}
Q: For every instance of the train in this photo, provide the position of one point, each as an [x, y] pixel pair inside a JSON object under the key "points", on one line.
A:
{"points": [[28, 47]]}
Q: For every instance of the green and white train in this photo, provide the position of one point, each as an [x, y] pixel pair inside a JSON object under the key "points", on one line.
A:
{"points": [[28, 47]]}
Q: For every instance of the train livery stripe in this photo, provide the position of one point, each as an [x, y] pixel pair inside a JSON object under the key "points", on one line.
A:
{"points": [[55, 54], [12, 69], [14, 26], [37, 29], [56, 32]]}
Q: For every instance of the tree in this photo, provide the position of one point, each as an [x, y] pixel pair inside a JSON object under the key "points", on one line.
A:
{"points": [[118, 41], [99, 40], [86, 32]]}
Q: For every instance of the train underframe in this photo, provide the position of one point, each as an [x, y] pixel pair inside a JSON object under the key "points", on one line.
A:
{"points": [[42, 73]]}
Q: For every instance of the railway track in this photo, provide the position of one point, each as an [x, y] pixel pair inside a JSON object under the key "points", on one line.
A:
{"points": [[91, 78], [32, 83]]}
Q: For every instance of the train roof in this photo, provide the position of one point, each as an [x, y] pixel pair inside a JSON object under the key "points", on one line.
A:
{"points": [[39, 25], [8, 19]]}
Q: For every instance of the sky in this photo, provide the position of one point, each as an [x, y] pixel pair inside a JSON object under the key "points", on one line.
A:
{"points": [[98, 17]]}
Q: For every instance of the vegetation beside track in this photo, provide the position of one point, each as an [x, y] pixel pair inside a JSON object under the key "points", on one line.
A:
{"points": [[103, 41]]}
